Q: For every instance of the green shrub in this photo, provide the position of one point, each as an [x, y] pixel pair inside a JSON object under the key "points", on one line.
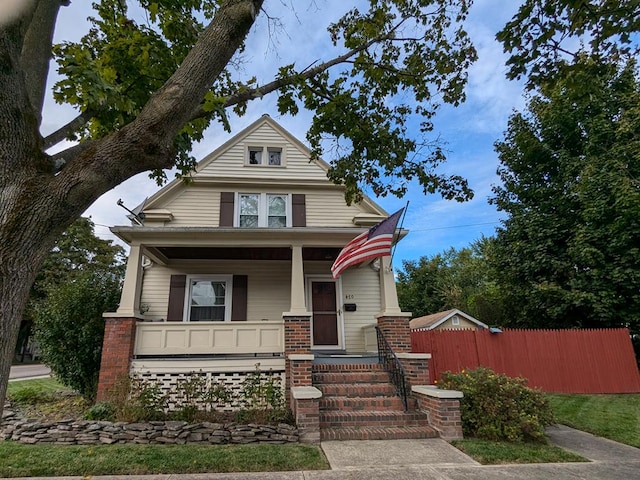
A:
{"points": [[196, 399], [101, 411], [497, 407], [70, 328], [31, 396], [261, 391], [135, 400]]}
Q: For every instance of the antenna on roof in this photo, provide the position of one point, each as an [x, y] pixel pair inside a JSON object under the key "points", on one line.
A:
{"points": [[136, 217]]}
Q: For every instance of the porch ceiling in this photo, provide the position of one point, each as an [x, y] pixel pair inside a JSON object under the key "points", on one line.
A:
{"points": [[247, 253]]}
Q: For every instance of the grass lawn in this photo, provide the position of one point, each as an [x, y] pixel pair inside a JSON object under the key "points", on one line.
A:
{"points": [[39, 396], [43, 460], [41, 384], [492, 453], [46, 399], [616, 417]]}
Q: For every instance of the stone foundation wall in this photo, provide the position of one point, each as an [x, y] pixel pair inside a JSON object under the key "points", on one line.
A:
{"points": [[90, 432]]}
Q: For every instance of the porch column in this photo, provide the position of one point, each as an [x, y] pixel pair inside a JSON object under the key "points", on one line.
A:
{"points": [[388, 294], [130, 298], [392, 321], [298, 304], [297, 330]]}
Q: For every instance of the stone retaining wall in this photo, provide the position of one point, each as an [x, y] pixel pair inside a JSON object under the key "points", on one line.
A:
{"points": [[90, 432]]}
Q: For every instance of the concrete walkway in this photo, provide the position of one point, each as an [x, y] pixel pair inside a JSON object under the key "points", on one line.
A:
{"points": [[29, 372], [435, 459]]}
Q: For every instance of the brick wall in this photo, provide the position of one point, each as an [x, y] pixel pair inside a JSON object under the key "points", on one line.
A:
{"points": [[416, 367], [307, 415], [300, 372], [397, 332], [305, 405], [297, 335], [117, 352], [444, 413]]}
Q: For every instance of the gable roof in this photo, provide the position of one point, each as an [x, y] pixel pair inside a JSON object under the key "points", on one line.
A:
{"points": [[175, 186], [429, 322]]}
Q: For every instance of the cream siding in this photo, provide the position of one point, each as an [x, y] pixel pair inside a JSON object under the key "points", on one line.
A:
{"points": [[231, 162], [195, 206], [327, 208], [268, 292], [362, 287], [199, 205]]}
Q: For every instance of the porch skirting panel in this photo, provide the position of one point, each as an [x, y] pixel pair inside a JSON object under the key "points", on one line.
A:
{"points": [[171, 375]]}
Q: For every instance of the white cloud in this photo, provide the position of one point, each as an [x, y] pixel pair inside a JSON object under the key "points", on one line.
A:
{"points": [[470, 130]]}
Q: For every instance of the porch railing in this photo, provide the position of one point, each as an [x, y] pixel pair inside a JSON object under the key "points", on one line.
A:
{"points": [[209, 338], [392, 365]]}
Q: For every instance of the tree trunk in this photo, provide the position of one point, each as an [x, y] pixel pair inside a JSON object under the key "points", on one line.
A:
{"points": [[27, 236], [17, 272], [37, 205]]}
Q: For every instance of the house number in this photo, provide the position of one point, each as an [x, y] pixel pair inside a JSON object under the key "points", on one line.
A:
{"points": [[349, 296]]}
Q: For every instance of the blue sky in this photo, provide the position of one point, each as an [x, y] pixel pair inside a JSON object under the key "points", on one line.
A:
{"points": [[469, 130]]}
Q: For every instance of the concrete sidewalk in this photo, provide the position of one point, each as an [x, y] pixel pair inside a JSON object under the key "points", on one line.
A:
{"points": [[435, 459], [29, 372]]}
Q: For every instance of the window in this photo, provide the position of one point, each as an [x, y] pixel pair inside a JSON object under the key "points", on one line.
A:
{"points": [[269, 156], [249, 210], [455, 320], [277, 211], [255, 156], [263, 210], [274, 156], [209, 299]]}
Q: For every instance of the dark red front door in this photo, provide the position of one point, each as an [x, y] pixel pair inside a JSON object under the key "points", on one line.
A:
{"points": [[325, 313]]}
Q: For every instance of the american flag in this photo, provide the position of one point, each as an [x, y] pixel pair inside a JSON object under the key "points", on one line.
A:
{"points": [[371, 244]]}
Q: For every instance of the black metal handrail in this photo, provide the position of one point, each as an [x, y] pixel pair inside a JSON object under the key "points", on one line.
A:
{"points": [[393, 366]]}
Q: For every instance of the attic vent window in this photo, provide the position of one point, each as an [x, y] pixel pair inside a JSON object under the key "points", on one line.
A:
{"points": [[455, 320], [269, 156], [255, 156], [274, 156]]}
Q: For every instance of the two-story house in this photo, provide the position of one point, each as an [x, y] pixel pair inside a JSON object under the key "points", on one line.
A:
{"points": [[233, 269]]}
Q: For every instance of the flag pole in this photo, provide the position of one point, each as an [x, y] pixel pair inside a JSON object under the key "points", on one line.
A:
{"points": [[398, 229]]}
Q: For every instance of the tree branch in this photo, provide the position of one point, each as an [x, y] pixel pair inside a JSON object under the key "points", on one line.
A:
{"points": [[61, 159], [258, 92], [147, 143], [36, 51], [65, 131]]}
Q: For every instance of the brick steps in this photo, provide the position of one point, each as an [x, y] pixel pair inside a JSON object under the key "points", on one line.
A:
{"points": [[376, 433], [357, 390], [347, 378], [384, 418], [359, 403]]}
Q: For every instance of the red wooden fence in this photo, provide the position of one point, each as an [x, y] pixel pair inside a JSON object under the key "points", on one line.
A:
{"points": [[566, 361]]}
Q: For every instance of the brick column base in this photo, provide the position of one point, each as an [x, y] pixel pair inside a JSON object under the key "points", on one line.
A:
{"points": [[416, 366], [397, 332], [443, 409], [297, 341], [299, 372], [306, 411], [117, 352]]}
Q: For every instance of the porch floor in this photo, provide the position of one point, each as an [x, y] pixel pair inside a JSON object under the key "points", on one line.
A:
{"points": [[344, 359]]}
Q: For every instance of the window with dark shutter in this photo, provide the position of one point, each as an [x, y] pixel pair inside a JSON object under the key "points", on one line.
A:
{"points": [[176, 298], [298, 210], [226, 209], [239, 296]]}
